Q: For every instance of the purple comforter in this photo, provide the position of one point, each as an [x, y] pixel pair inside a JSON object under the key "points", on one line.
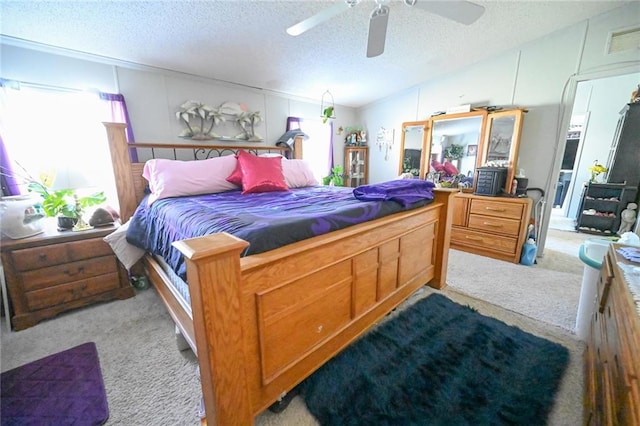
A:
{"points": [[266, 220]]}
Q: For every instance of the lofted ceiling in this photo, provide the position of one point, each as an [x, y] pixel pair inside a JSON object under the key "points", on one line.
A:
{"points": [[244, 41]]}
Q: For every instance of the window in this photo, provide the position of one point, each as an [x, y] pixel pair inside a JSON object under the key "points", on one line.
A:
{"points": [[318, 149], [58, 133]]}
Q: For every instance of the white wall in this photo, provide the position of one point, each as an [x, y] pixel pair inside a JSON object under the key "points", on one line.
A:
{"points": [[153, 96], [540, 76]]}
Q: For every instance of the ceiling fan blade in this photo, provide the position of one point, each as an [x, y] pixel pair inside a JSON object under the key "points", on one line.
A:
{"points": [[461, 11], [377, 31], [318, 18]]}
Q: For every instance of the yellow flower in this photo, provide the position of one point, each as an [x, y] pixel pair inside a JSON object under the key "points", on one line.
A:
{"points": [[597, 168]]}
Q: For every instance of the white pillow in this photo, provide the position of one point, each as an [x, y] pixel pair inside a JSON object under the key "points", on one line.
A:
{"points": [[175, 178], [128, 254], [297, 173]]}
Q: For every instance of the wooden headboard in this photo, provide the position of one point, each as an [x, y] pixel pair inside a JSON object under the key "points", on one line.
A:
{"points": [[128, 175]]}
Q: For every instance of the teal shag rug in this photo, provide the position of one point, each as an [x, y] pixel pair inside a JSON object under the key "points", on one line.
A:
{"points": [[439, 363]]}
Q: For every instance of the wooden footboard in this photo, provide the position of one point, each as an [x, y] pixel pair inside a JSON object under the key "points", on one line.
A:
{"points": [[265, 322], [262, 324]]}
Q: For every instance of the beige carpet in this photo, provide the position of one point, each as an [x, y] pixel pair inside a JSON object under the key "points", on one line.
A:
{"points": [[542, 291]]}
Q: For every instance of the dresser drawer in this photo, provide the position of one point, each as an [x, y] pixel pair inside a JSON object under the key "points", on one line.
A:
{"points": [[74, 271], [497, 208], [493, 224], [40, 257], [65, 293], [466, 237]]}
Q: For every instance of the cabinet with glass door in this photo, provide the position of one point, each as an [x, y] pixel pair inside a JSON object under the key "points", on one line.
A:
{"points": [[356, 159]]}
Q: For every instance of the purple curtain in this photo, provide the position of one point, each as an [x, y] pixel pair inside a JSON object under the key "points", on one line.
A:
{"points": [[331, 145], [7, 180], [293, 123], [120, 114]]}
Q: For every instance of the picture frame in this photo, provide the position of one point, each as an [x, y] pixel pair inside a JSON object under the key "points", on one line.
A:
{"points": [[472, 150]]}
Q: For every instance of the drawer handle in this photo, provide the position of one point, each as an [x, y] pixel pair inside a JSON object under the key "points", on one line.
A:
{"points": [[43, 257], [78, 271], [495, 209], [494, 225], [473, 238], [319, 329]]}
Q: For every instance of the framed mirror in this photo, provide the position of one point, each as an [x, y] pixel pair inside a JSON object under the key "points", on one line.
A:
{"points": [[456, 143], [502, 141], [413, 148]]}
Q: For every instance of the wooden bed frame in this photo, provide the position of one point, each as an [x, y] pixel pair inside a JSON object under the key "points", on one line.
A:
{"points": [[261, 324]]}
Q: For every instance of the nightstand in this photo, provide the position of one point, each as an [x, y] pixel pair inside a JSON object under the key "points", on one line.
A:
{"points": [[54, 272]]}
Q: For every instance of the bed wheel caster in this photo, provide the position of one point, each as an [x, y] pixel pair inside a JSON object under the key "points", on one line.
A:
{"points": [[283, 402]]}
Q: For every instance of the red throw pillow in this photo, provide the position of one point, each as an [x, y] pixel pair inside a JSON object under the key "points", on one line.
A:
{"points": [[236, 176], [261, 174]]}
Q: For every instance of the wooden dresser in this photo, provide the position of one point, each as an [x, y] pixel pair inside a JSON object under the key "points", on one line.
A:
{"points": [[490, 226], [612, 356], [56, 271]]}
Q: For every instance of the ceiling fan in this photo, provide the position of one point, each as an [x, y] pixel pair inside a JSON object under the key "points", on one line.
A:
{"points": [[461, 11]]}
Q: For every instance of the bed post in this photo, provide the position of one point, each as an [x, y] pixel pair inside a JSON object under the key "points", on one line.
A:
{"points": [[443, 236], [297, 147], [121, 163], [213, 267]]}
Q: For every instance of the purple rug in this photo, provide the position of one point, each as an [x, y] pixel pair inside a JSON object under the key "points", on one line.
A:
{"points": [[61, 389]]}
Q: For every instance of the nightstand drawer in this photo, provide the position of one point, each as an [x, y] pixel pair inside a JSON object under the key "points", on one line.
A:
{"points": [[493, 224], [74, 271], [66, 293], [39, 257], [497, 208]]}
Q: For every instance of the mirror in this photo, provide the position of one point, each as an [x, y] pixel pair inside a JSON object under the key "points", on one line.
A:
{"points": [[456, 141], [502, 141], [412, 146]]}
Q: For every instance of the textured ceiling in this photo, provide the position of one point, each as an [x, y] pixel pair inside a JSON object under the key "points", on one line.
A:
{"points": [[244, 41]]}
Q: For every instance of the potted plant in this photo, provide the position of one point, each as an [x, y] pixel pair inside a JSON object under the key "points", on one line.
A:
{"points": [[336, 178], [65, 204]]}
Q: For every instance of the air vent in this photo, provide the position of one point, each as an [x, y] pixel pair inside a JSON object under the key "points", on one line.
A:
{"points": [[622, 40]]}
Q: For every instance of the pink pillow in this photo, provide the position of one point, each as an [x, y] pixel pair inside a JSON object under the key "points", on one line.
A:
{"points": [[297, 173], [261, 174], [174, 178]]}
